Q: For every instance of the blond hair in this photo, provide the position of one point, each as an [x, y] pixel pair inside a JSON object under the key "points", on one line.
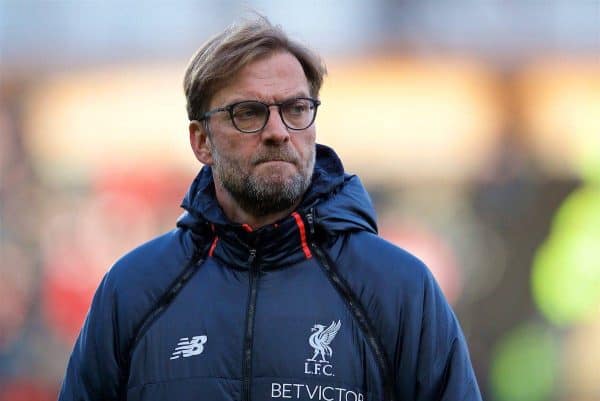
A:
{"points": [[221, 57]]}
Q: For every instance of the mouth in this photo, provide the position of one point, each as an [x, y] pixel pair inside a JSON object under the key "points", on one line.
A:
{"points": [[274, 161], [275, 156]]}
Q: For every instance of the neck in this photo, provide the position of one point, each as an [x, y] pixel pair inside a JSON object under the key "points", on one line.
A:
{"points": [[237, 214]]}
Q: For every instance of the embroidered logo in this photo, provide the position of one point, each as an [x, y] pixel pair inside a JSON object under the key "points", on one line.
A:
{"points": [[320, 339], [186, 347]]}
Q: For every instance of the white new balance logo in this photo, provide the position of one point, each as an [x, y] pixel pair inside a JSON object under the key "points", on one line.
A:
{"points": [[186, 347]]}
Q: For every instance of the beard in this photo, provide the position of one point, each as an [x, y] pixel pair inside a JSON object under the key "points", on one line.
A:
{"points": [[271, 192]]}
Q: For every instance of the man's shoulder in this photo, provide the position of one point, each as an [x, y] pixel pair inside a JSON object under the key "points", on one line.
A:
{"points": [[137, 281], [377, 257], [154, 261]]}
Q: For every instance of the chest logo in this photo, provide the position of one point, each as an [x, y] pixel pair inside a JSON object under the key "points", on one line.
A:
{"points": [[189, 347], [320, 341]]}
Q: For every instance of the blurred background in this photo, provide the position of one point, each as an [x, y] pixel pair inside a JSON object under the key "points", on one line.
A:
{"points": [[475, 125]]}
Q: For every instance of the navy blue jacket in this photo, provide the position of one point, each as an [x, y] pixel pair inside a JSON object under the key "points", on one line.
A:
{"points": [[314, 307]]}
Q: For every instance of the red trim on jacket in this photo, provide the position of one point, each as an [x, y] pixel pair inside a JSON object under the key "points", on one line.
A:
{"points": [[300, 225], [213, 246]]}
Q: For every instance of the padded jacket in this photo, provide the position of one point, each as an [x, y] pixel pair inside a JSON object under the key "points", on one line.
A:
{"points": [[314, 307]]}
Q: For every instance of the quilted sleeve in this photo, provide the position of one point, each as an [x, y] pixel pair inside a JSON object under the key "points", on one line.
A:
{"points": [[94, 372], [444, 370]]}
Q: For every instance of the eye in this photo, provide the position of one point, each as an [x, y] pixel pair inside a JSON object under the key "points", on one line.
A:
{"points": [[248, 110], [297, 107]]}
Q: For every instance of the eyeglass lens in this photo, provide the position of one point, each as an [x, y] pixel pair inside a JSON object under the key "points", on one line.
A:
{"points": [[252, 116]]}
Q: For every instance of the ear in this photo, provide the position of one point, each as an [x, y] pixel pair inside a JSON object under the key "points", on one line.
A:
{"points": [[200, 142]]}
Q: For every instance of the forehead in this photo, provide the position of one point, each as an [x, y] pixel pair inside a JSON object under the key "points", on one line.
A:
{"points": [[274, 77]]}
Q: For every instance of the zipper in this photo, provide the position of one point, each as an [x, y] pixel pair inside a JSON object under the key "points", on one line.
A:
{"points": [[164, 302], [311, 227], [248, 336], [360, 316]]}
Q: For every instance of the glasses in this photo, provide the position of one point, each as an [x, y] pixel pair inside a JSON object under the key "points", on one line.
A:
{"points": [[250, 116]]}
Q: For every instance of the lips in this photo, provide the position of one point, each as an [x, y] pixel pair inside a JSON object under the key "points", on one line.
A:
{"points": [[278, 158], [274, 160]]}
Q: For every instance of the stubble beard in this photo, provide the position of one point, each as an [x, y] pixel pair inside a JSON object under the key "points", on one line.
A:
{"points": [[262, 195]]}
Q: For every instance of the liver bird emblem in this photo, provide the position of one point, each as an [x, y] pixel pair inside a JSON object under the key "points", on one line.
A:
{"points": [[321, 338]]}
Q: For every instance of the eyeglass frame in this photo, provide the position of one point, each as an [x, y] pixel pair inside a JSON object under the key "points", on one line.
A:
{"points": [[229, 108]]}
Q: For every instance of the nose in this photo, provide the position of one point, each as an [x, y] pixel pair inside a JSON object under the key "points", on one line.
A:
{"points": [[275, 130]]}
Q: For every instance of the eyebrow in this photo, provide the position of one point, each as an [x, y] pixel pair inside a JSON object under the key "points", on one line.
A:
{"points": [[238, 99]]}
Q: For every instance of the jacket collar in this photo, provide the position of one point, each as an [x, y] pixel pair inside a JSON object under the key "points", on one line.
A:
{"points": [[333, 203]]}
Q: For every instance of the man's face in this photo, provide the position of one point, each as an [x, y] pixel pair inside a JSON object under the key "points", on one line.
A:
{"points": [[265, 172]]}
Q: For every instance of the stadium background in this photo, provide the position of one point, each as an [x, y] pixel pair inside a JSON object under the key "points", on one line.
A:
{"points": [[474, 124]]}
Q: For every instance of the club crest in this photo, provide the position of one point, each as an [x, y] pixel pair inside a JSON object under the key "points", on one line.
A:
{"points": [[320, 340]]}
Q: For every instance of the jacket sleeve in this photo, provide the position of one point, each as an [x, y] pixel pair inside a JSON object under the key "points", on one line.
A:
{"points": [[444, 370], [94, 372]]}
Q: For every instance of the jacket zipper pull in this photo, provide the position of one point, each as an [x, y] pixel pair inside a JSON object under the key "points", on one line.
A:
{"points": [[309, 219], [251, 257]]}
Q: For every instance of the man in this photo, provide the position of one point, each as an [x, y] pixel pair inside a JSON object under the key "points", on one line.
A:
{"points": [[274, 285]]}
